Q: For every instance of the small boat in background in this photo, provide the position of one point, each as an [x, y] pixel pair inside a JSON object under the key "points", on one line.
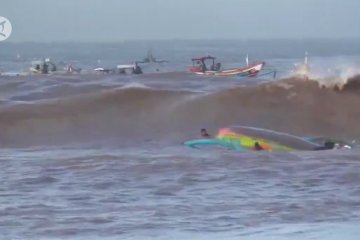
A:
{"points": [[200, 67], [121, 69], [133, 68], [42, 67], [70, 68], [151, 59]]}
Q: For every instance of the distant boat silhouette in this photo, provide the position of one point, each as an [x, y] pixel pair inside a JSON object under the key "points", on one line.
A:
{"points": [[151, 59]]}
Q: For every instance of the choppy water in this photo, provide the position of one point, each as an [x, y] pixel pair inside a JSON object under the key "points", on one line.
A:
{"points": [[101, 156], [176, 193]]}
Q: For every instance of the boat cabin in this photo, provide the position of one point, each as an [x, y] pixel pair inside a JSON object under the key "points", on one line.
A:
{"points": [[204, 64]]}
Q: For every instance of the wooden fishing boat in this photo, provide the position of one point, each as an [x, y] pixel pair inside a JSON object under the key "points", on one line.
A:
{"points": [[200, 67]]}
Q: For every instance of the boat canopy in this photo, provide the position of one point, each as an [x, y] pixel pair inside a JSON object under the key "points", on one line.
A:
{"points": [[204, 58]]}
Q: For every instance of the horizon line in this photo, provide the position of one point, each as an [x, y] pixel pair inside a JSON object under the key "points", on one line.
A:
{"points": [[184, 40]]}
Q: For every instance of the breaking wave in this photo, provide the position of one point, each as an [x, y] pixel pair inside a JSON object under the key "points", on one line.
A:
{"points": [[136, 113]]}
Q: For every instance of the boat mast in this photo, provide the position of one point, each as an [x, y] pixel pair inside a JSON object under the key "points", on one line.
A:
{"points": [[306, 58]]}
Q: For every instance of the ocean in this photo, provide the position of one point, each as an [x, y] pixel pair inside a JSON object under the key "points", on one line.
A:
{"points": [[101, 156]]}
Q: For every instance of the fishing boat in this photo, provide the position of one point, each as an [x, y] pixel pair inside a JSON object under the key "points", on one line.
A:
{"points": [[245, 138], [133, 68], [151, 59], [42, 67], [200, 67]]}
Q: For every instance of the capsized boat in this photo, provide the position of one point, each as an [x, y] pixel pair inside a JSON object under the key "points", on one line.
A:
{"points": [[200, 67], [244, 138]]}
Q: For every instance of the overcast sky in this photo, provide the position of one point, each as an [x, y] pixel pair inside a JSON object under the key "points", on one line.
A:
{"points": [[117, 20]]}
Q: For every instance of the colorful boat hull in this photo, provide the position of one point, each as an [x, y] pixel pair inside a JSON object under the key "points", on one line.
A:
{"points": [[242, 138], [249, 71]]}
